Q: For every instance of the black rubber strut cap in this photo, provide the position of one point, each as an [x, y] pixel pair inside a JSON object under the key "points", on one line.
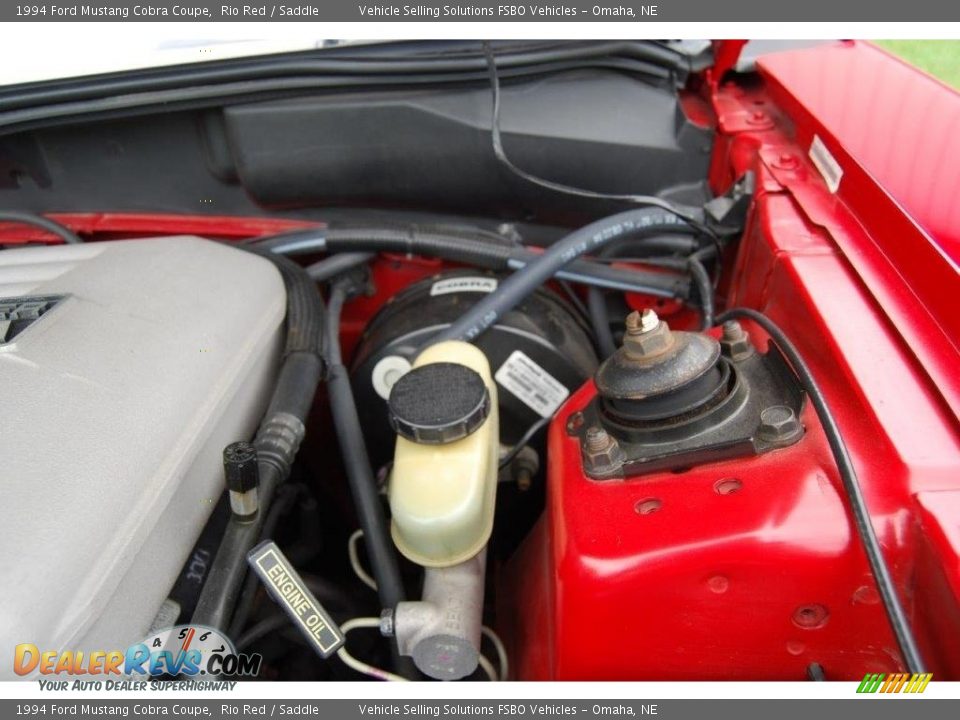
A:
{"points": [[438, 403]]}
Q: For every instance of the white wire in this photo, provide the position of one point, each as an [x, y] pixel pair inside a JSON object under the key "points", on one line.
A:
{"points": [[501, 652], [370, 582], [354, 556], [488, 668], [358, 665]]}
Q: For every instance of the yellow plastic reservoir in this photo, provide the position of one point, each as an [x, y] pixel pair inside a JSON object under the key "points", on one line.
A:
{"points": [[442, 496]]}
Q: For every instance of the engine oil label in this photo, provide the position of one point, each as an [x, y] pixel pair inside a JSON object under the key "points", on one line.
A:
{"points": [[826, 163], [286, 587], [533, 385], [464, 284]]}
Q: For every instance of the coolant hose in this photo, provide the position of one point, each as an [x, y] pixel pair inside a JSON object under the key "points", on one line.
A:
{"points": [[277, 439], [589, 239]]}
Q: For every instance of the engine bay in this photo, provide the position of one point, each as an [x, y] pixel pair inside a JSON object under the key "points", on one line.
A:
{"points": [[346, 380]]}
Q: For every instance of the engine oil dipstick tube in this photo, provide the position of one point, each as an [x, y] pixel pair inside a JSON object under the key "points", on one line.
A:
{"points": [[242, 474], [277, 441]]}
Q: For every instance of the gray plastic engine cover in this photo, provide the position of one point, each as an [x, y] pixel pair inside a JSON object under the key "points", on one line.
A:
{"points": [[114, 408]]}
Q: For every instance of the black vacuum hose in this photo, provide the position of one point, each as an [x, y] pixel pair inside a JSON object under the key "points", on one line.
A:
{"points": [[468, 246], [588, 239], [363, 487]]}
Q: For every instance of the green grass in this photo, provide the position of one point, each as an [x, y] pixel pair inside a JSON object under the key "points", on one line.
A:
{"points": [[940, 58]]}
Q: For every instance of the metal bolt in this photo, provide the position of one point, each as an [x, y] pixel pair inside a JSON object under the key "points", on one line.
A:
{"points": [[732, 330], [574, 422], [639, 323], [524, 479], [524, 467], [647, 336], [509, 231], [602, 454], [735, 341], [649, 321], [597, 439], [786, 161], [779, 425]]}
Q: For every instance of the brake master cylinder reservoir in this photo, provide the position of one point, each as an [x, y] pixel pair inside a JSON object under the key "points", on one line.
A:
{"points": [[444, 478], [442, 493]]}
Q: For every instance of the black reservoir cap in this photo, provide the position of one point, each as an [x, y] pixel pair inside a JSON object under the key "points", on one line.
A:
{"points": [[438, 403]]}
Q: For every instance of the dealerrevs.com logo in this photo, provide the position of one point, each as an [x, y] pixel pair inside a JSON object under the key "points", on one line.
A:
{"points": [[183, 650]]}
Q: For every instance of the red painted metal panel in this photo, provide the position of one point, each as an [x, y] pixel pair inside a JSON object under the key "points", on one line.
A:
{"points": [[758, 583], [106, 225], [882, 121], [938, 606], [898, 123]]}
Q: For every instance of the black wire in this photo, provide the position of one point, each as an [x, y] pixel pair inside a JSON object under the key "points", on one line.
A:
{"points": [[268, 625], [26, 218], [648, 200], [712, 252], [259, 89], [600, 320], [523, 442], [704, 289], [326, 592], [858, 506], [286, 495], [575, 301], [689, 262]]}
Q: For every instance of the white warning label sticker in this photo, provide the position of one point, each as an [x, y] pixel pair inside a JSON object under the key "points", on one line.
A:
{"points": [[826, 163], [464, 284], [533, 385]]}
